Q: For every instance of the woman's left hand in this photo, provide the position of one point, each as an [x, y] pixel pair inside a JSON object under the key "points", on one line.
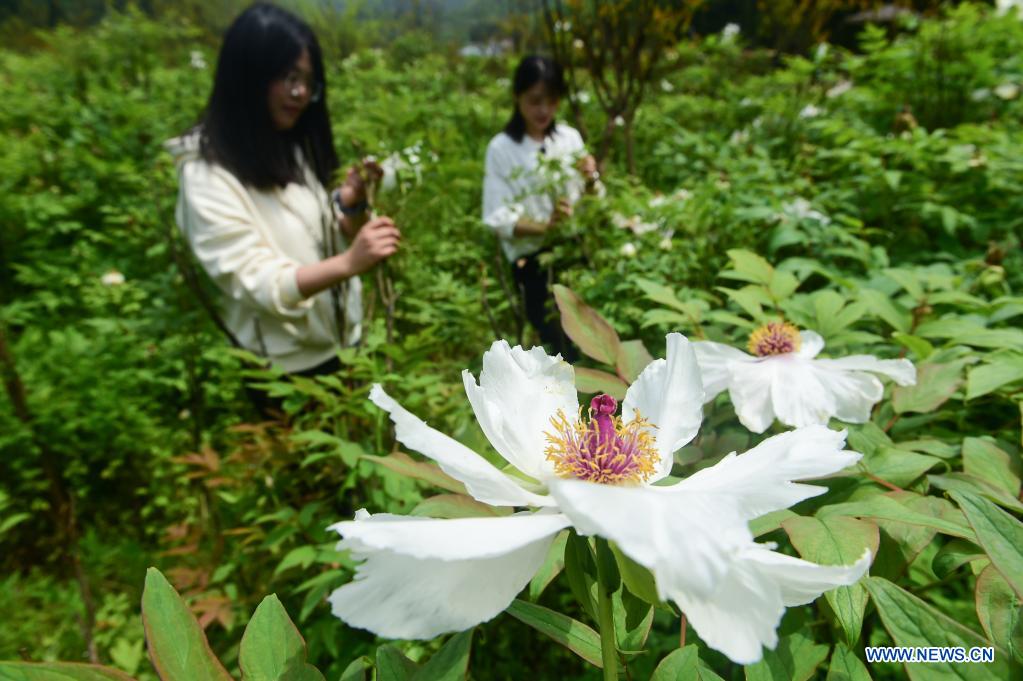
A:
{"points": [[354, 188]]}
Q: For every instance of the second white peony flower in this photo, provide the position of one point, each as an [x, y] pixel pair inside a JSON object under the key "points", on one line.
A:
{"points": [[422, 577]]}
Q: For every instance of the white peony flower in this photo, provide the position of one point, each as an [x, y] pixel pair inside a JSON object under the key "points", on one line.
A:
{"points": [[619, 121], [112, 278], [839, 89], [782, 379], [628, 249], [809, 111], [801, 209], [422, 577], [197, 60], [1007, 91], [583, 96], [730, 31], [666, 85]]}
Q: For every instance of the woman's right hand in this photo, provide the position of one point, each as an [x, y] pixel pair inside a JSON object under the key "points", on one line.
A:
{"points": [[376, 240]]}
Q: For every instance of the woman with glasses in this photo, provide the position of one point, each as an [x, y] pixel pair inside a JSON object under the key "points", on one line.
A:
{"points": [[253, 204]]}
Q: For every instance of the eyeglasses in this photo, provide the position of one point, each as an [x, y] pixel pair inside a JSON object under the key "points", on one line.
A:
{"points": [[294, 80]]}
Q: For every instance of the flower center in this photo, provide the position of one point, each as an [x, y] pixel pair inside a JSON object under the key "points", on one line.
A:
{"points": [[774, 338], [604, 449]]}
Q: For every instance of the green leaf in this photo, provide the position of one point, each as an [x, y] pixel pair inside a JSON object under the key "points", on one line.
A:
{"points": [[935, 383], [994, 374], [638, 580], [552, 566], [837, 540], [795, 658], [392, 665], [882, 305], [581, 573], [953, 555], [456, 506], [959, 332], [430, 473], [177, 645], [902, 542], [986, 460], [587, 329], [918, 346], [684, 664], [885, 507], [450, 663], [632, 619], [632, 358], [357, 669], [749, 267], [59, 671], [1000, 612], [900, 467], [998, 533], [769, 522], [591, 381], [963, 482], [751, 299], [573, 634], [913, 622], [272, 649], [845, 666]]}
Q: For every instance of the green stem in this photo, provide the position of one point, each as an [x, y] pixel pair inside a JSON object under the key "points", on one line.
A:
{"points": [[608, 646]]}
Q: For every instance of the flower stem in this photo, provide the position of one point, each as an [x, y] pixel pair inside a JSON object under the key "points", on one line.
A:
{"points": [[608, 645]]}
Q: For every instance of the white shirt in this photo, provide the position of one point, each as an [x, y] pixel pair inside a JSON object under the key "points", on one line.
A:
{"points": [[251, 243], [524, 179]]}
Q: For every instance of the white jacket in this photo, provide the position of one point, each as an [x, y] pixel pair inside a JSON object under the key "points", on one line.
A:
{"points": [[251, 243], [519, 184]]}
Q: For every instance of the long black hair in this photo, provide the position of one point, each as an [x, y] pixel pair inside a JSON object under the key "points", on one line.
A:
{"points": [[530, 71], [261, 46]]}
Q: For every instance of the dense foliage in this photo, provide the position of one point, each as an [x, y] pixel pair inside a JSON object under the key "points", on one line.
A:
{"points": [[871, 196]]}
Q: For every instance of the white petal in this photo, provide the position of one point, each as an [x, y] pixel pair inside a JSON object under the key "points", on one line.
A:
{"points": [[854, 393], [798, 395], [740, 617], [519, 392], [684, 538], [810, 344], [801, 582], [901, 371], [750, 392], [761, 480], [424, 577], [713, 360], [744, 613], [481, 478], [669, 394]]}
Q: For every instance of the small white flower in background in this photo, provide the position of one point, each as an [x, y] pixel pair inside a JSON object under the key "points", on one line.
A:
{"points": [[422, 577], [619, 121], [578, 44], [666, 85], [562, 26], [757, 122], [583, 96], [1007, 91], [800, 209], [503, 82], [739, 137], [809, 111], [747, 101], [1006, 6], [730, 31], [821, 52], [782, 379], [197, 60], [682, 194], [839, 89], [722, 183], [980, 94], [634, 223], [628, 249], [665, 244], [657, 200], [112, 278]]}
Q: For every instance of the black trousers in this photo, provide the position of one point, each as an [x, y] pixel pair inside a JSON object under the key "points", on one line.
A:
{"points": [[532, 282], [269, 406]]}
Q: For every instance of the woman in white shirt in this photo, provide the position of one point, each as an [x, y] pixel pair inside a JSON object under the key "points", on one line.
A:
{"points": [[536, 169], [252, 202]]}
